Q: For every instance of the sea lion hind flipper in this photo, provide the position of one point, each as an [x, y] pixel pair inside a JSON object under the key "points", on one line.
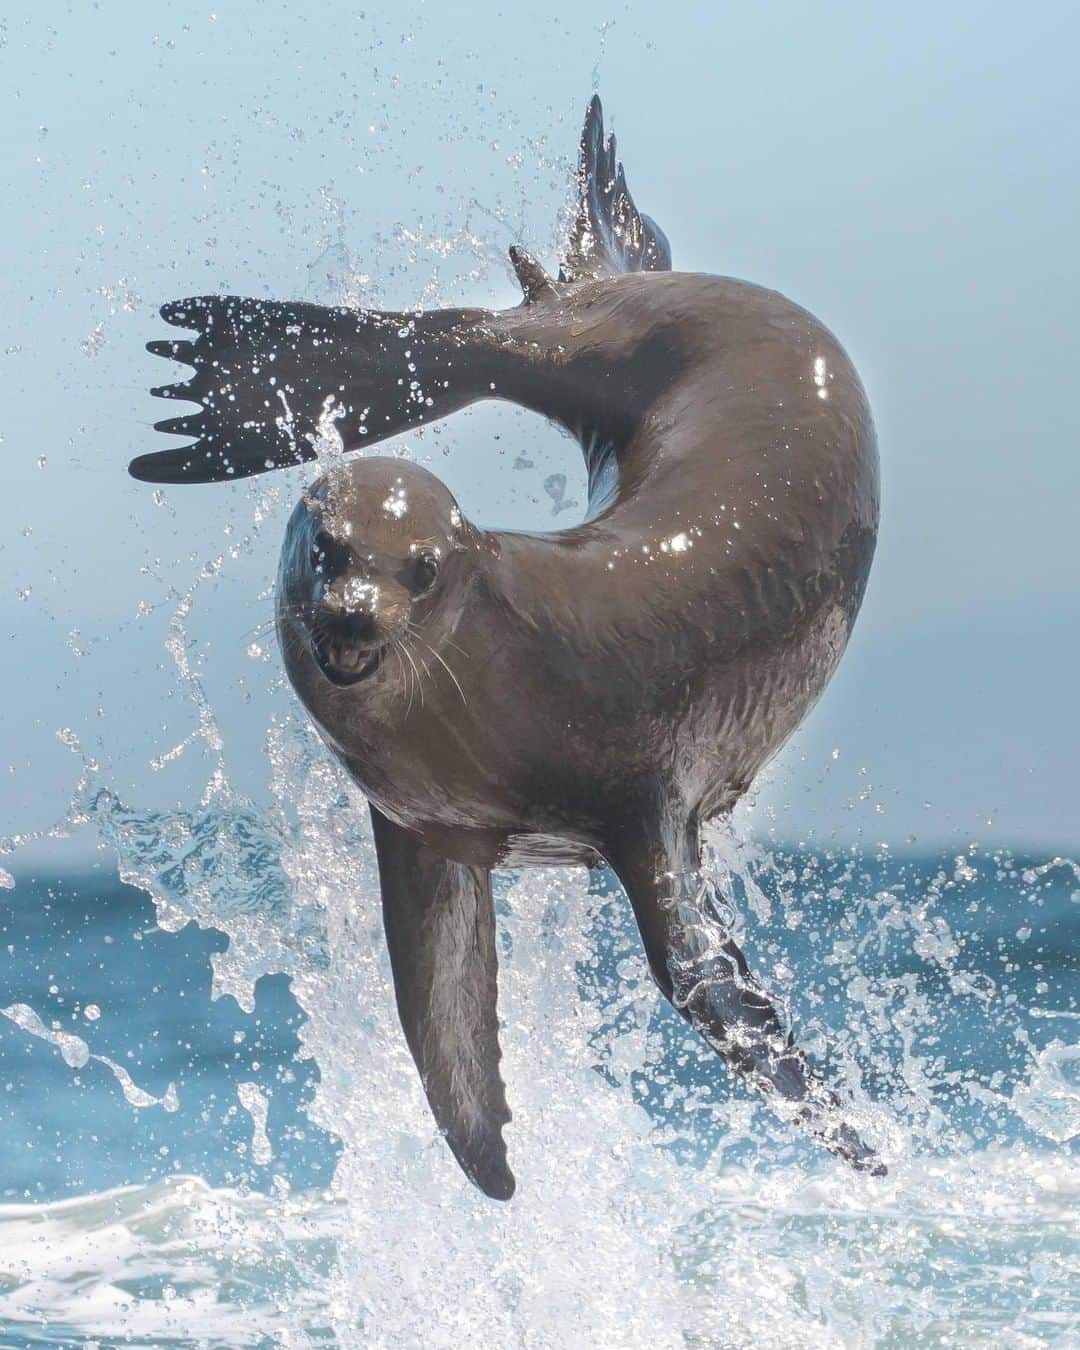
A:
{"points": [[276, 380], [440, 928], [265, 373], [609, 234], [702, 972]]}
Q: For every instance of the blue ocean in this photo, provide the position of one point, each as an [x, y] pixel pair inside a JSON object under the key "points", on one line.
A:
{"points": [[214, 1137]]}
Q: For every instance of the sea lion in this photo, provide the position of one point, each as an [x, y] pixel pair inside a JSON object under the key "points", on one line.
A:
{"points": [[592, 694]]}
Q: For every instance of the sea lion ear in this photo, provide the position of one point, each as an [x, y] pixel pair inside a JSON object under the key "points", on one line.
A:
{"points": [[535, 282], [609, 234]]}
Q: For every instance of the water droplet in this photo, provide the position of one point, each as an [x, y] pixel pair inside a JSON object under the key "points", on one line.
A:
{"points": [[94, 342], [254, 1102]]}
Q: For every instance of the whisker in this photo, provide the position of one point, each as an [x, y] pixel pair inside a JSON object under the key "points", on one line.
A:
{"points": [[401, 667], [445, 667], [260, 630], [423, 664], [286, 611], [414, 677], [416, 631], [266, 625], [406, 687], [419, 682]]}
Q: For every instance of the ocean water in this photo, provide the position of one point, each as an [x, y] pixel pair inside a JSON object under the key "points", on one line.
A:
{"points": [[213, 1134]]}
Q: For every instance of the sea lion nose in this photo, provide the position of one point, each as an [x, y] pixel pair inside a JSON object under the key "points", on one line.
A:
{"points": [[361, 626], [354, 609]]}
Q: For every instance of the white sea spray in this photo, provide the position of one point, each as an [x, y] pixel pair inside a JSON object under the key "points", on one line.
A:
{"points": [[254, 1101], [76, 1055]]}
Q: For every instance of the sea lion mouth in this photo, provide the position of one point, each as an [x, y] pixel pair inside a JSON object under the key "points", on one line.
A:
{"points": [[344, 662]]}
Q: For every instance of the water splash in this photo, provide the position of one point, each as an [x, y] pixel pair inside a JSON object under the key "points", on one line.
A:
{"points": [[782, 1262], [653, 1190], [255, 1103], [172, 1263], [1050, 1099], [76, 1054]]}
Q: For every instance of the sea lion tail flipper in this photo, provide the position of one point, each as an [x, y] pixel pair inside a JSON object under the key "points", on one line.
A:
{"points": [[440, 928], [609, 234], [701, 970]]}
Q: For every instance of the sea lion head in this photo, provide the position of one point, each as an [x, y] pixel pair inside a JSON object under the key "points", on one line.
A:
{"points": [[363, 562]]}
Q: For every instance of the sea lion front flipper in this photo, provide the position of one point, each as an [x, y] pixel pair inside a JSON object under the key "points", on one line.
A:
{"points": [[440, 928], [701, 971]]}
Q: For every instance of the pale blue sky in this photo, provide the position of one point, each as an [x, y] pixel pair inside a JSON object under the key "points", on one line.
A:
{"points": [[907, 172]]}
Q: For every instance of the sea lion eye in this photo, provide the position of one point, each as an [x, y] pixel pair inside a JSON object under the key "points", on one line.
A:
{"points": [[421, 572], [318, 552], [327, 555]]}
